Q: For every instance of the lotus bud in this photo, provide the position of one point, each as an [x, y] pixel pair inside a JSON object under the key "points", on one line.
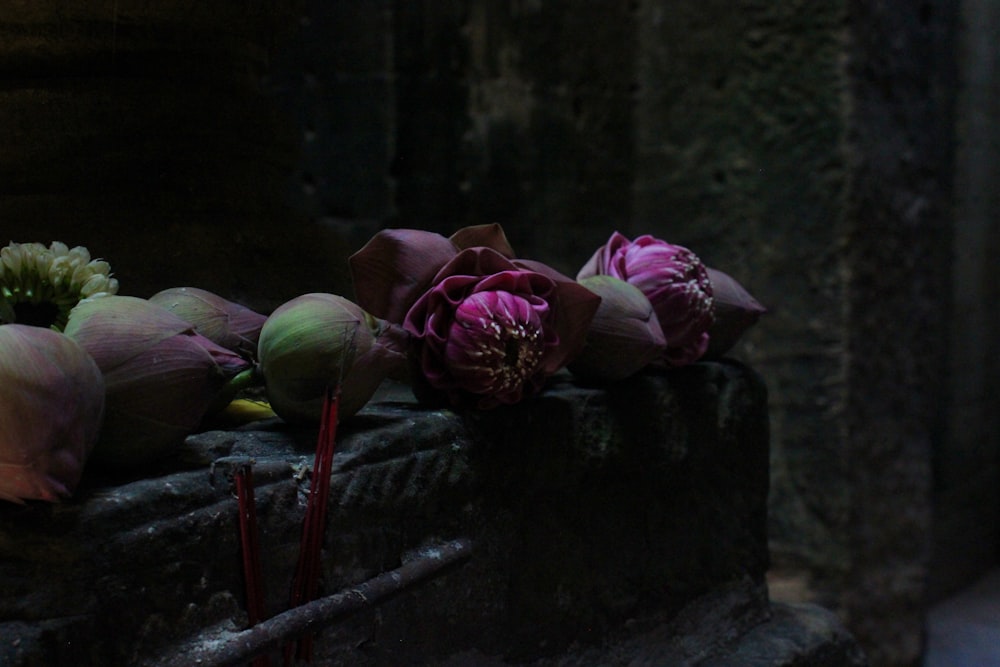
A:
{"points": [[51, 404], [735, 311], [161, 377], [231, 325], [624, 336], [319, 340]]}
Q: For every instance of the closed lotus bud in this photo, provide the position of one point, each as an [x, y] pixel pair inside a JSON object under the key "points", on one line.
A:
{"points": [[223, 322], [319, 340], [624, 336], [51, 403], [735, 311], [161, 377]]}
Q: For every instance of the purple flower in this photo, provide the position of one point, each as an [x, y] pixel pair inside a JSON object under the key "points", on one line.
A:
{"points": [[675, 282], [486, 329]]}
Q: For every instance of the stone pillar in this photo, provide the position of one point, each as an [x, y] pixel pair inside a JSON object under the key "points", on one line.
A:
{"points": [[806, 148], [898, 253], [967, 496], [740, 129]]}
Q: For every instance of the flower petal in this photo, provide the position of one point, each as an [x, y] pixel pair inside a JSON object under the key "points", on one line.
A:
{"points": [[735, 312], [491, 330], [625, 335], [476, 261], [51, 407], [488, 236], [224, 322], [162, 377], [576, 306], [316, 340], [673, 279], [114, 329], [598, 262], [395, 267]]}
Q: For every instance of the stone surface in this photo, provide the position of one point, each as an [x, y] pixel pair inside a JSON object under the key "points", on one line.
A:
{"points": [[585, 507]]}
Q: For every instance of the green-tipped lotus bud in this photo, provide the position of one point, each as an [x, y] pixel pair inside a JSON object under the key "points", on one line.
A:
{"points": [[624, 336], [161, 376], [231, 325], [51, 402], [319, 340]]}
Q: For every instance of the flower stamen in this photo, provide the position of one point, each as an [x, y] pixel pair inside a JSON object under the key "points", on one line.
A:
{"points": [[495, 345]]}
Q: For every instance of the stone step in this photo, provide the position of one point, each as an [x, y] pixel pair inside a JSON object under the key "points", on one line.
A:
{"points": [[628, 520]]}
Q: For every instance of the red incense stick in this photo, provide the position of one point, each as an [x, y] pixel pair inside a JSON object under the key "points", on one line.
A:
{"points": [[250, 547], [306, 582]]}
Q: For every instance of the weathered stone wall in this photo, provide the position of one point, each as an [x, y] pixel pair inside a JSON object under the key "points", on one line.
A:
{"points": [[741, 127], [898, 249]]}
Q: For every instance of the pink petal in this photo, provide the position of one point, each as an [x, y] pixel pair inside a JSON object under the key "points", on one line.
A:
{"points": [[478, 261], [222, 321], [575, 306], [395, 268], [599, 262], [51, 407], [114, 329], [735, 312], [488, 236]]}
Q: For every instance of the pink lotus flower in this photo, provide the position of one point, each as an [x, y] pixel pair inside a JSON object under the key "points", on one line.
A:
{"points": [[51, 406], [486, 329], [674, 280]]}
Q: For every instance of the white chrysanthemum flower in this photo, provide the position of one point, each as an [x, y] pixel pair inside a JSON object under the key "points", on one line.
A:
{"points": [[39, 285]]}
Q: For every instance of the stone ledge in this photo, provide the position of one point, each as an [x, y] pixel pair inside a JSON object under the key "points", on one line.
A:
{"points": [[586, 507]]}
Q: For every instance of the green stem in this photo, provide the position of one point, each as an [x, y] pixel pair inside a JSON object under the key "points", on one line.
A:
{"points": [[251, 377]]}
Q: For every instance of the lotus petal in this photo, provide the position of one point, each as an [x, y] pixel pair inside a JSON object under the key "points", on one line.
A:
{"points": [[395, 267], [224, 322], [625, 335], [51, 408]]}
